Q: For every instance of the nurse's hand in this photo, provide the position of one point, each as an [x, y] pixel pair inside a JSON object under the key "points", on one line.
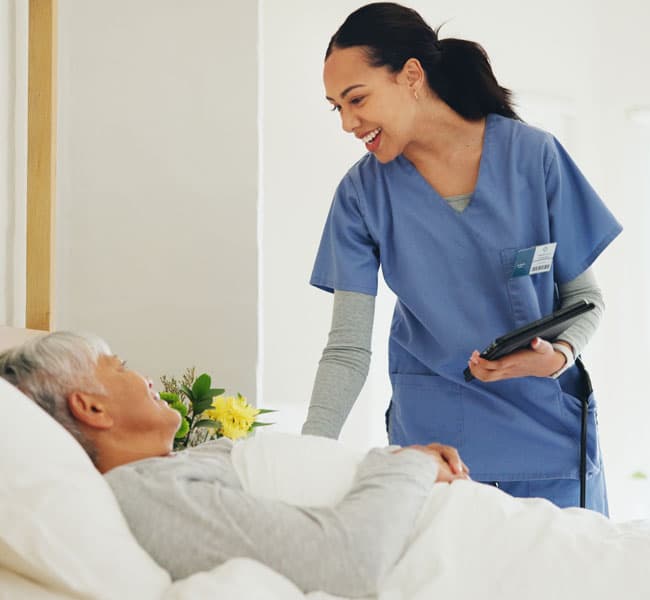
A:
{"points": [[450, 466], [542, 360]]}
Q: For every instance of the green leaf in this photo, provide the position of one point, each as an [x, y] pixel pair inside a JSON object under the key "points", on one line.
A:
{"points": [[183, 430], [208, 423], [258, 424], [169, 397], [201, 386], [263, 411], [639, 475], [208, 395], [188, 392], [200, 405]]}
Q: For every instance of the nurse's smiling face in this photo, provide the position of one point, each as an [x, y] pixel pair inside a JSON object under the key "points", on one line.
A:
{"points": [[375, 104]]}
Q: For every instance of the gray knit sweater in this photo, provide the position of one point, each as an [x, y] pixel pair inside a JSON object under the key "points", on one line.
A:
{"points": [[189, 511]]}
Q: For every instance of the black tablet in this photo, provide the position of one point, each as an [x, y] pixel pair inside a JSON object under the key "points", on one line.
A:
{"points": [[548, 327]]}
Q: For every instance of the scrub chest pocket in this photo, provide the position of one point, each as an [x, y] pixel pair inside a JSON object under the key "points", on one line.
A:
{"points": [[524, 291]]}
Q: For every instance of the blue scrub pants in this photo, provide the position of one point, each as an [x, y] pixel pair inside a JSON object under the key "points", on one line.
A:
{"points": [[561, 492]]}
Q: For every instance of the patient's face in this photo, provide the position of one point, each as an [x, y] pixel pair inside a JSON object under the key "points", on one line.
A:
{"points": [[137, 411]]}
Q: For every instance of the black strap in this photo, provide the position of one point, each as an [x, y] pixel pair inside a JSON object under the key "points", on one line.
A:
{"points": [[584, 399]]}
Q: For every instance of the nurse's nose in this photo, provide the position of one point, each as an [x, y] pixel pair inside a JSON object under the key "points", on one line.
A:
{"points": [[349, 121]]}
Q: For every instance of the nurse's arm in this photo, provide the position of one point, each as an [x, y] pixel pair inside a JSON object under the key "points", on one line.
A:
{"points": [[583, 287], [343, 368]]}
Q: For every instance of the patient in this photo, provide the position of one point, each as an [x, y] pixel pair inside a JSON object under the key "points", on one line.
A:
{"points": [[189, 510]]}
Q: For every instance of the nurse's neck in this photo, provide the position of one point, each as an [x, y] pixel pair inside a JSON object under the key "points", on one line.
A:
{"points": [[446, 149], [443, 136]]}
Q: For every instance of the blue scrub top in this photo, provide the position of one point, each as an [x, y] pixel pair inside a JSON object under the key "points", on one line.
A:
{"points": [[451, 273]]}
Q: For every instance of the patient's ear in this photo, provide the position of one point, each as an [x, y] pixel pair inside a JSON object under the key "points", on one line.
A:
{"points": [[89, 410]]}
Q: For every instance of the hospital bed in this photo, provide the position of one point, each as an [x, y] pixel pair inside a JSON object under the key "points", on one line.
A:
{"points": [[62, 535]]}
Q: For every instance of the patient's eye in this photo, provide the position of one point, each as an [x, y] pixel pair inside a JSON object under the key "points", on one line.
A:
{"points": [[123, 365]]}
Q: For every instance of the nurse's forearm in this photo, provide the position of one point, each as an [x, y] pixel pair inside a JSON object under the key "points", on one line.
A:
{"points": [[343, 368], [584, 286]]}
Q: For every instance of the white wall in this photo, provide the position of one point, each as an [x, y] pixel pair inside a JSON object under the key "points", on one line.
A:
{"points": [[623, 177], [13, 158], [157, 182], [7, 87], [567, 60]]}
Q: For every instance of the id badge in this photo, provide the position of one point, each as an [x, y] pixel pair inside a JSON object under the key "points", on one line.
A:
{"points": [[534, 260]]}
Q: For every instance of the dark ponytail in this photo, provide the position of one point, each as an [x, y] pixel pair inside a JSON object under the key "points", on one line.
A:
{"points": [[458, 71]]}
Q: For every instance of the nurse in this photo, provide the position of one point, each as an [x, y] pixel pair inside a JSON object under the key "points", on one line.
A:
{"points": [[453, 198]]}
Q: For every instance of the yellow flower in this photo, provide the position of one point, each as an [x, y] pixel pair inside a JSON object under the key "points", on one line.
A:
{"points": [[235, 415]]}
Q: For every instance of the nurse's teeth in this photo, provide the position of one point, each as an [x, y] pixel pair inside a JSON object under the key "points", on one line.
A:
{"points": [[371, 136]]}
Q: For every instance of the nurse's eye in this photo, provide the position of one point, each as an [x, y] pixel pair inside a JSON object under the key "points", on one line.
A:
{"points": [[357, 100], [336, 108]]}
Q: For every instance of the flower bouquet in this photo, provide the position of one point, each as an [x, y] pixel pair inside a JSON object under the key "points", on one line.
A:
{"points": [[206, 413]]}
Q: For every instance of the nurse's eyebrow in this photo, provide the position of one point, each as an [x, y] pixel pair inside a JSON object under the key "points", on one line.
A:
{"points": [[346, 91]]}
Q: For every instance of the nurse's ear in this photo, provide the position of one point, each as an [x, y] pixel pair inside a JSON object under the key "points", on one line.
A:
{"points": [[413, 76]]}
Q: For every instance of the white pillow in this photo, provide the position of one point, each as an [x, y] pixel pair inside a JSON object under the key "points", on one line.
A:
{"points": [[303, 470], [60, 524]]}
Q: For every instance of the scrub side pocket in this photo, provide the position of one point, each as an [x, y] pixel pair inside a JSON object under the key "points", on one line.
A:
{"points": [[572, 408], [524, 302], [425, 409]]}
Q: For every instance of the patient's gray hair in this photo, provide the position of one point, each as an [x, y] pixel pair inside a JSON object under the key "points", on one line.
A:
{"points": [[50, 367]]}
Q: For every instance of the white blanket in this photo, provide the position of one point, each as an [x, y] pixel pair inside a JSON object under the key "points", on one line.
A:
{"points": [[471, 540]]}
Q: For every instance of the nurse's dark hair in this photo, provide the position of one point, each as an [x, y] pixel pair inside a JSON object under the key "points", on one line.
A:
{"points": [[458, 71]]}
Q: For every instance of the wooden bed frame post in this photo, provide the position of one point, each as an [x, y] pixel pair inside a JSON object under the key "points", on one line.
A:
{"points": [[41, 162]]}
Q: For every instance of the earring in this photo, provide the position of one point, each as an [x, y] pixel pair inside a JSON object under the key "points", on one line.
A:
{"points": [[415, 93]]}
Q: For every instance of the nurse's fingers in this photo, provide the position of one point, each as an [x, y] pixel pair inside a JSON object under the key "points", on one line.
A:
{"points": [[541, 346], [489, 365], [488, 370]]}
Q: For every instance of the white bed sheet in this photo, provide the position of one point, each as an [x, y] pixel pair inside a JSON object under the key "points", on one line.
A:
{"points": [[471, 540]]}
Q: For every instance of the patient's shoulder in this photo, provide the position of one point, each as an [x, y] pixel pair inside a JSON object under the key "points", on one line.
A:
{"points": [[209, 462]]}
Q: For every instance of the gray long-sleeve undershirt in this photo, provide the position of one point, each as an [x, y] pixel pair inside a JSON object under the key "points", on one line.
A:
{"points": [[190, 513], [344, 365]]}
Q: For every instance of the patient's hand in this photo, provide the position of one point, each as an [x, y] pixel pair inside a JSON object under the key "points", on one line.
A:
{"points": [[450, 465]]}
